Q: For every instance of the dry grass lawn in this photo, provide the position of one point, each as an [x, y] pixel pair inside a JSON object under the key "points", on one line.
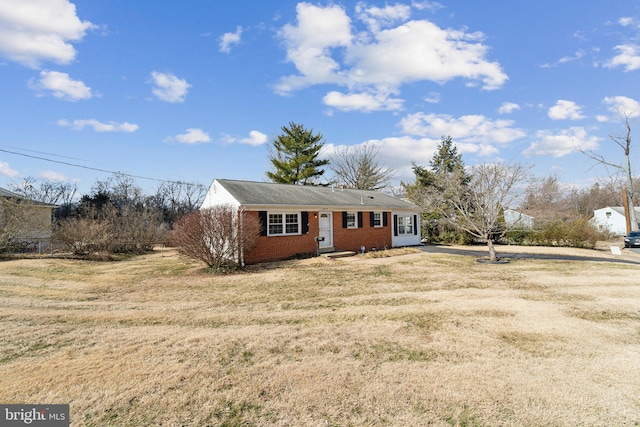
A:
{"points": [[414, 339]]}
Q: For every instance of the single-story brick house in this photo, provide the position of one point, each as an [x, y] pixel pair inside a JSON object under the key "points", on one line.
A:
{"points": [[299, 219]]}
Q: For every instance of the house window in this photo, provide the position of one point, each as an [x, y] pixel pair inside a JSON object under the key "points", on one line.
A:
{"points": [[608, 214], [405, 225], [377, 219], [352, 221], [281, 224]]}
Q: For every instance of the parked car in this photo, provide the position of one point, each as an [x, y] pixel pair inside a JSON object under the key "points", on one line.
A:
{"points": [[632, 239]]}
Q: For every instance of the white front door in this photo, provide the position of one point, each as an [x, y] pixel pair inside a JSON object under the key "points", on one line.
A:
{"points": [[326, 230]]}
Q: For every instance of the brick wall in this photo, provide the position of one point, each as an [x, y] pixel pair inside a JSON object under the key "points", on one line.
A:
{"points": [[351, 239], [274, 248]]}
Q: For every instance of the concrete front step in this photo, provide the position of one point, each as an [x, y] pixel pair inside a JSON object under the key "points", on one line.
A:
{"points": [[340, 254]]}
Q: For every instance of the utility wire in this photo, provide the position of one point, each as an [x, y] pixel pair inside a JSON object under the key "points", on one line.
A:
{"points": [[48, 154], [88, 167]]}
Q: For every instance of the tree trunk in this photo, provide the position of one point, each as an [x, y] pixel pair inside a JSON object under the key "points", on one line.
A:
{"points": [[628, 192], [492, 251]]}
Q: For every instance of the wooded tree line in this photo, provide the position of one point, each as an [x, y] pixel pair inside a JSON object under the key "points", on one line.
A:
{"points": [[117, 216]]}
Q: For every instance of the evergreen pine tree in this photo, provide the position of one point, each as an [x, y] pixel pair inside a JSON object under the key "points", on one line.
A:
{"points": [[294, 156]]}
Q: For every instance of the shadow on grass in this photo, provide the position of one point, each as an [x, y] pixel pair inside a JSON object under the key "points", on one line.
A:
{"points": [[510, 256]]}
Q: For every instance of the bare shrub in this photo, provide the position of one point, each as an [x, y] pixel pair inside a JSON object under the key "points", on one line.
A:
{"points": [[84, 236], [575, 233], [12, 217], [136, 230], [217, 236]]}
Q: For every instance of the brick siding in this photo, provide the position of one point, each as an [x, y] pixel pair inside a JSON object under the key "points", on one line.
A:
{"points": [[275, 248]]}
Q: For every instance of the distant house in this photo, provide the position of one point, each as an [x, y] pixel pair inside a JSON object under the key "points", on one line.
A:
{"points": [[515, 219], [300, 219], [612, 219], [25, 221]]}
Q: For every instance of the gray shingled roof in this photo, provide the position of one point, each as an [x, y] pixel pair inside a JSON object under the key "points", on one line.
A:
{"points": [[269, 194], [620, 209]]}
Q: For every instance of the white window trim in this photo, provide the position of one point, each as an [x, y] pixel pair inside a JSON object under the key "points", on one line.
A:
{"points": [[380, 218], [403, 219], [283, 215], [355, 220]]}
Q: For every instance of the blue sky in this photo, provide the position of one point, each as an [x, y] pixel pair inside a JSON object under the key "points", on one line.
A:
{"points": [[194, 90]]}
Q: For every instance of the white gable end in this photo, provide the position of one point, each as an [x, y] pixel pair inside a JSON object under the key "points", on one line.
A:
{"points": [[217, 196], [611, 219]]}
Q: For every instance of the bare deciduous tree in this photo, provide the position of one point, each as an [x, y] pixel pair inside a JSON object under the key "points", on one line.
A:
{"points": [[121, 189], [359, 167], [624, 142], [217, 236], [582, 202], [544, 199], [175, 199], [46, 191], [476, 205]]}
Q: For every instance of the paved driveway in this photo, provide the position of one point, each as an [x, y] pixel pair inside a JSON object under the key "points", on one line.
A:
{"points": [[629, 256]]}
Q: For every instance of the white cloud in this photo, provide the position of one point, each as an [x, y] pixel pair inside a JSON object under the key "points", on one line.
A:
{"points": [[471, 129], [420, 50], [193, 136], [565, 110], [255, 138], [35, 31], [229, 39], [376, 18], [308, 45], [6, 170], [61, 86], [99, 126], [326, 48], [168, 87], [432, 98], [623, 106], [628, 21], [53, 176], [396, 152], [427, 5], [400, 152], [508, 108], [579, 54], [560, 144], [628, 57], [361, 102]]}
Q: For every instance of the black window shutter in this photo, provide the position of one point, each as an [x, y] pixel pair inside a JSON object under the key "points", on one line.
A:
{"points": [[385, 220], [263, 222], [305, 222], [395, 225], [415, 225], [344, 220], [371, 223], [360, 222]]}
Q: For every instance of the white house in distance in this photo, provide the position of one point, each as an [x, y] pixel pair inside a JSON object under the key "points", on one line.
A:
{"points": [[515, 219], [612, 219]]}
